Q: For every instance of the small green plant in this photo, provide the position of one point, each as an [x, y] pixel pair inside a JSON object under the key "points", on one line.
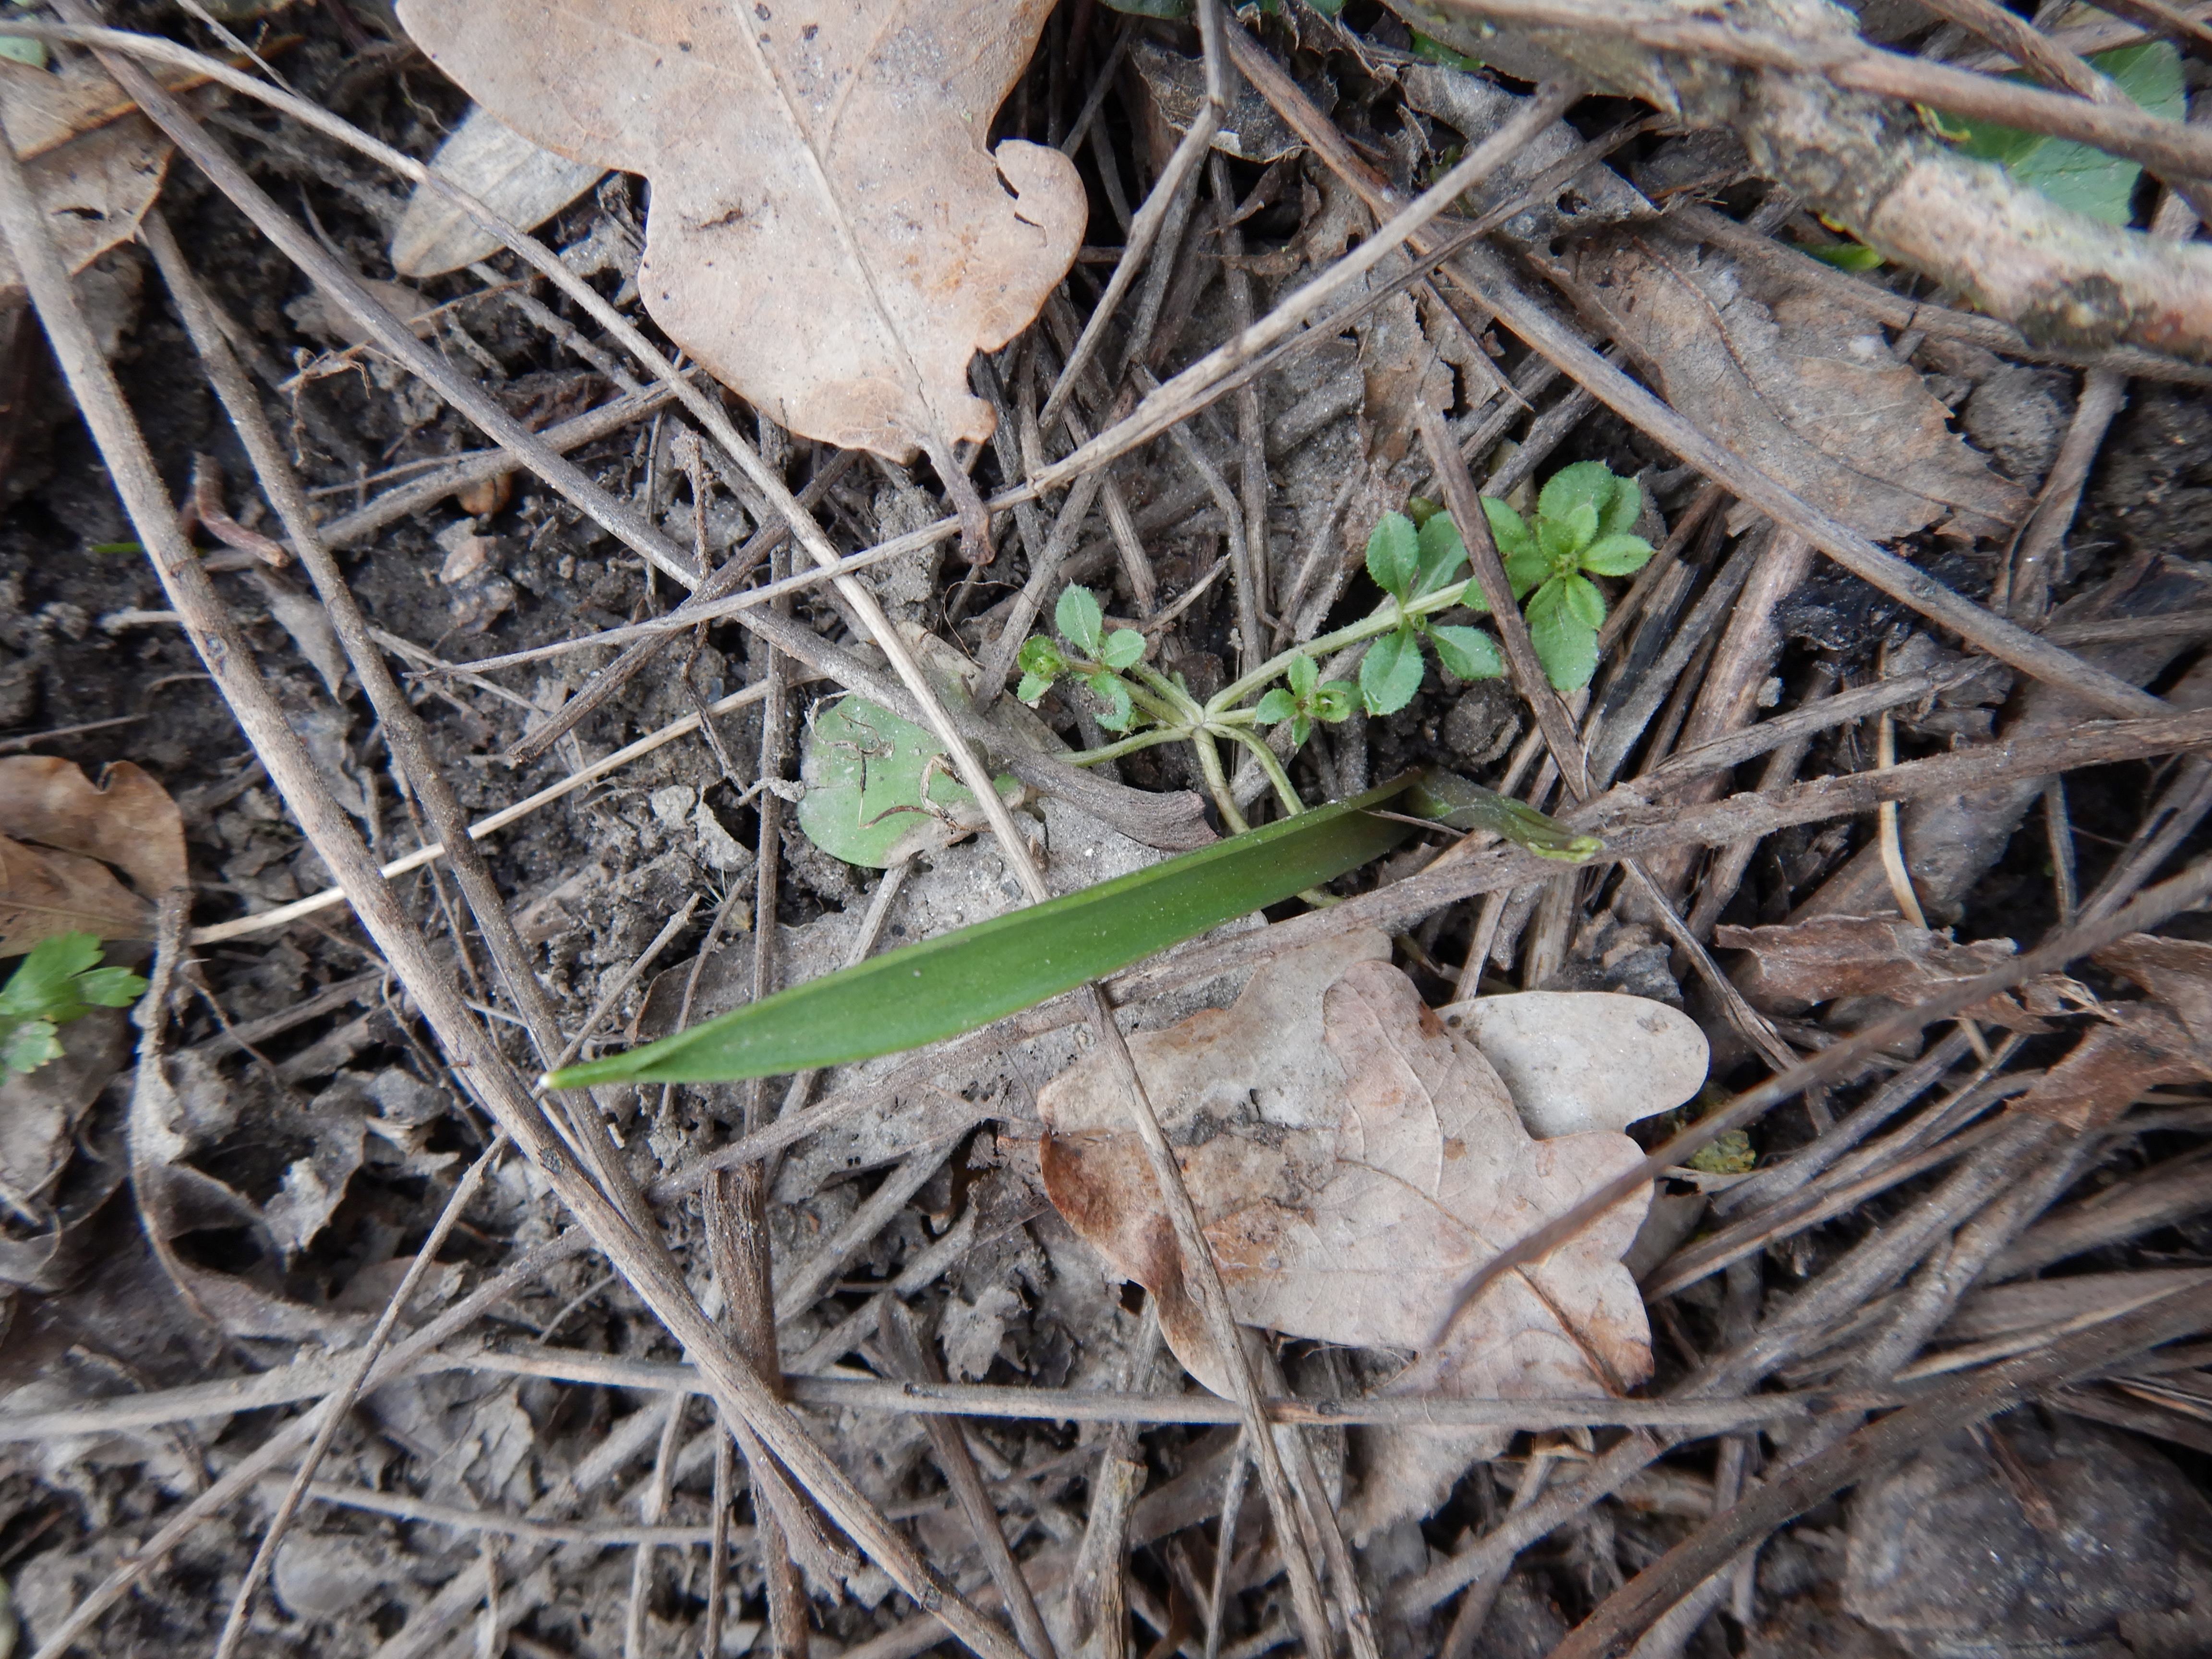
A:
{"points": [[1584, 515], [1419, 561], [59, 981]]}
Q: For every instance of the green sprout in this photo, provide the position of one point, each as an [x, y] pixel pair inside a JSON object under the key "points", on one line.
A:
{"points": [[1583, 518], [1305, 701], [1411, 565], [59, 981]]}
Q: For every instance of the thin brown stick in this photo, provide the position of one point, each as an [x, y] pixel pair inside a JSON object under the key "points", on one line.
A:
{"points": [[1614, 1628], [909, 1359], [1487, 279], [642, 1258]]}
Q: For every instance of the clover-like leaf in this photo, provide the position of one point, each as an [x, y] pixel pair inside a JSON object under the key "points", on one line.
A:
{"points": [[57, 981], [1616, 553], [1391, 672], [1119, 713], [1393, 555], [1275, 707], [1443, 553], [1041, 658], [1586, 483], [1124, 647], [1079, 620], [1565, 645], [1467, 652], [30, 1045], [1509, 530]]}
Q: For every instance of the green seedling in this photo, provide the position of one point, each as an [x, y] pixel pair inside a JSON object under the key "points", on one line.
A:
{"points": [[1412, 565], [59, 979], [1584, 517]]}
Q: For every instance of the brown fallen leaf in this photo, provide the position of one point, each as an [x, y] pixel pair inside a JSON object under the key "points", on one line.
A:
{"points": [[1788, 967], [2137, 1046], [62, 885], [828, 234], [94, 169], [526, 184], [1354, 1164], [1812, 394]]}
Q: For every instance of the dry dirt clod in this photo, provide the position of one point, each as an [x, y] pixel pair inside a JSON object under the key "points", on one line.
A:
{"points": [[853, 243]]}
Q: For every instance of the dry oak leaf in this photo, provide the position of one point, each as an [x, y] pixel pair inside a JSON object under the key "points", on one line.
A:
{"points": [[94, 165], [1812, 396], [828, 234], [1353, 1164], [2137, 1046], [62, 885]]}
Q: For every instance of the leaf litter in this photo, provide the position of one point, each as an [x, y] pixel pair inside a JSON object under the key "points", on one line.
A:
{"points": [[1353, 1162], [284, 1213], [854, 243]]}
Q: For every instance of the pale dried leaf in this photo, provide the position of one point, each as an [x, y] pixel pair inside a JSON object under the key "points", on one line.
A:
{"points": [[1811, 393], [829, 235], [2139, 1047], [128, 821], [524, 184], [1585, 1059], [94, 165], [1350, 1187], [43, 894]]}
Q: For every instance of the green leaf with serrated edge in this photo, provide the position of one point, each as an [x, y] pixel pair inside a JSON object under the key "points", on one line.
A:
{"points": [[1579, 596], [1584, 483], [111, 988], [1124, 647], [864, 768], [1461, 804], [1394, 554], [1041, 657], [1390, 672], [1467, 652], [41, 980], [1443, 553], [1032, 688], [1275, 707], [27, 1045], [2074, 175], [1616, 556], [1120, 712], [1618, 514], [1079, 618], [1562, 538], [943, 987], [1565, 645], [1509, 530], [1526, 570], [1303, 672]]}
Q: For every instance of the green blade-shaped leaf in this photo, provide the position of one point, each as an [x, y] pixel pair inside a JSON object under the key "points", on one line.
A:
{"points": [[1616, 556], [1510, 531], [1618, 516], [943, 987], [1462, 804]]}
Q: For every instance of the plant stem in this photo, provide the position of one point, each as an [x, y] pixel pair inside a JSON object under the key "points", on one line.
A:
{"points": [[1209, 762], [1270, 765], [1385, 618], [1128, 745]]}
